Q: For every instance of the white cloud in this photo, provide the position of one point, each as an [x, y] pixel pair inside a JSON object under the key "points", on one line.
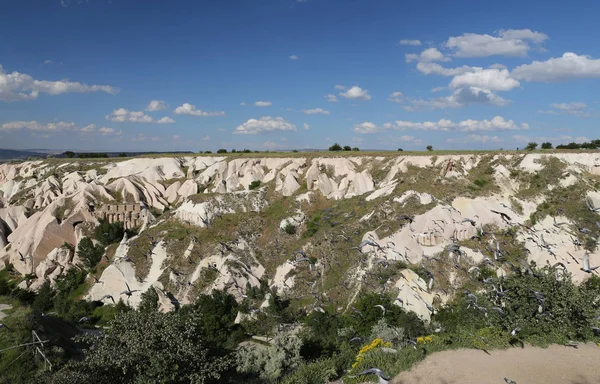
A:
{"points": [[273, 145], [316, 111], [189, 109], [263, 104], [498, 123], [17, 86], [339, 87], [474, 139], [155, 138], [243, 103], [293, 57], [206, 138], [221, 129], [306, 126], [88, 128], [366, 127], [332, 98], [57, 127], [139, 137], [437, 89], [264, 124], [35, 126], [574, 109], [396, 97], [47, 62], [459, 98], [568, 67], [156, 105], [508, 43], [122, 115], [490, 79], [436, 69], [109, 131], [410, 42], [356, 93], [523, 34], [428, 55], [176, 137], [165, 120]]}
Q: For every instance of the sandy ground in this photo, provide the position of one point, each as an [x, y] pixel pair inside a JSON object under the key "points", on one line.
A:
{"points": [[4, 307], [556, 364]]}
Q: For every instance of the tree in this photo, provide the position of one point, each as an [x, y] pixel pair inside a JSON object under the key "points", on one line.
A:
{"points": [[347, 148], [430, 148], [107, 233], [356, 149], [149, 347], [531, 146], [149, 301], [335, 147], [400, 150], [222, 150], [69, 154], [122, 154], [89, 253], [547, 145]]}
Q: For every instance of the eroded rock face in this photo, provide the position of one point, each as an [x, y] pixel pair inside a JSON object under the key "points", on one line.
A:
{"points": [[43, 206]]}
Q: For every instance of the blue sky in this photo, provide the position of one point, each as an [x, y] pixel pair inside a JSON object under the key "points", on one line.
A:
{"points": [[285, 74]]}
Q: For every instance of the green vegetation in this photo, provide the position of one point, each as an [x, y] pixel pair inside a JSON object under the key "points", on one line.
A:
{"points": [[335, 147], [290, 229], [108, 233], [531, 146], [546, 145], [89, 253], [254, 185], [429, 148]]}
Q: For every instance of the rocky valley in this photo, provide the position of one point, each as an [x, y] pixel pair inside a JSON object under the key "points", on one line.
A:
{"points": [[316, 230]]}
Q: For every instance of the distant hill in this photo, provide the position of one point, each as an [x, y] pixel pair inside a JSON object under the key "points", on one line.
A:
{"points": [[11, 154]]}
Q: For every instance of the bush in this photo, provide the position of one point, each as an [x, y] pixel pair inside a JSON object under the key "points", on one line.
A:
{"points": [[107, 233], [531, 146], [546, 145], [253, 185], [400, 150], [312, 226], [429, 148], [335, 147], [356, 149], [149, 301], [122, 154], [69, 154], [290, 229], [480, 182], [222, 150], [147, 348], [273, 362], [207, 152], [89, 253], [347, 148]]}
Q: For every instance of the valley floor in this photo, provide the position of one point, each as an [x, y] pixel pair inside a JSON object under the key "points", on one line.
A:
{"points": [[554, 365]]}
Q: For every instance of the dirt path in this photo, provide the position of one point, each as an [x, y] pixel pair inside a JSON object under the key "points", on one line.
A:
{"points": [[554, 365]]}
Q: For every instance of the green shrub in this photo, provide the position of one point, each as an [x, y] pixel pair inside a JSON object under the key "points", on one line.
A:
{"points": [[335, 147], [89, 253], [254, 185], [290, 229]]}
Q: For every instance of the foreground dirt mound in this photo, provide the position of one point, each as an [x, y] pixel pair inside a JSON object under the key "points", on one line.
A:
{"points": [[554, 365]]}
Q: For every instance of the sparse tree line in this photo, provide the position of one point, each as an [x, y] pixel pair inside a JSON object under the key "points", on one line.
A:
{"points": [[336, 148], [594, 144]]}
